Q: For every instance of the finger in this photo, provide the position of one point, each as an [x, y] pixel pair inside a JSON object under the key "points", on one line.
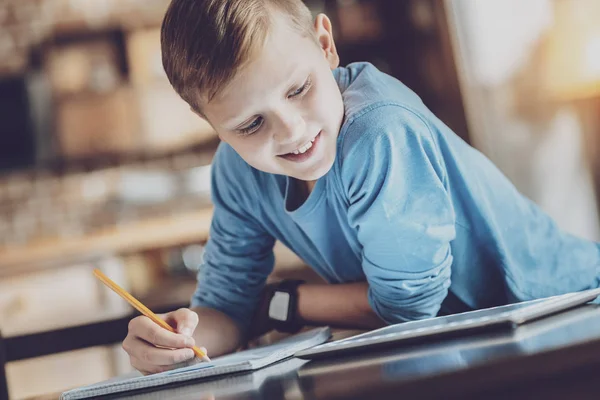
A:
{"points": [[205, 358], [185, 321], [127, 344], [149, 354], [148, 369], [144, 328], [137, 347], [136, 364]]}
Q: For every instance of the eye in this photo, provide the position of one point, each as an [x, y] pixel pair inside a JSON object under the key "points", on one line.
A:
{"points": [[301, 90], [253, 127]]}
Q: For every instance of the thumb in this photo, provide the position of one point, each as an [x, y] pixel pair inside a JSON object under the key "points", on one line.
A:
{"points": [[184, 321]]}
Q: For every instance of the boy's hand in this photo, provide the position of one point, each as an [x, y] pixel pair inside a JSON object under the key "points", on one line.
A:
{"points": [[154, 349]]}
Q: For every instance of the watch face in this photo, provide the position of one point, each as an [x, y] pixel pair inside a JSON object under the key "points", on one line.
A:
{"points": [[278, 308]]}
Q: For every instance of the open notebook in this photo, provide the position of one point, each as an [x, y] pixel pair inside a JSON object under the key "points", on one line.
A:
{"points": [[248, 360], [243, 385]]}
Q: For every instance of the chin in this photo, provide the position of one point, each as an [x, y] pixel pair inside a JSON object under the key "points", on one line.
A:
{"points": [[320, 171]]}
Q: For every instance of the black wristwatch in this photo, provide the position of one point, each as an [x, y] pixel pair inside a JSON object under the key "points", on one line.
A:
{"points": [[283, 307]]}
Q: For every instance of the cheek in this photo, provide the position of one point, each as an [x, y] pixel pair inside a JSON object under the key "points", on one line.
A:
{"points": [[322, 102], [252, 149]]}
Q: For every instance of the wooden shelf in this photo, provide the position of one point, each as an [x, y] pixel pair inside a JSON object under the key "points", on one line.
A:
{"points": [[159, 232]]}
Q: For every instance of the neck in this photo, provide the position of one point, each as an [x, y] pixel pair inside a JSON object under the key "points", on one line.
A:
{"points": [[310, 185]]}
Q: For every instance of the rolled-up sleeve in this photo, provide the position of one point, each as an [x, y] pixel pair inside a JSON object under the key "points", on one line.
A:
{"points": [[239, 253], [397, 201]]}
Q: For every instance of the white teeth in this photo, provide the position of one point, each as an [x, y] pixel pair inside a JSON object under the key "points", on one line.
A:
{"points": [[304, 148]]}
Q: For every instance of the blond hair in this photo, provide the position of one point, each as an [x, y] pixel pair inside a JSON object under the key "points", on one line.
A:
{"points": [[205, 42]]}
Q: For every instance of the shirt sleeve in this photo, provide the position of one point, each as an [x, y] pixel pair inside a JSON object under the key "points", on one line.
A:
{"points": [[394, 181], [239, 253]]}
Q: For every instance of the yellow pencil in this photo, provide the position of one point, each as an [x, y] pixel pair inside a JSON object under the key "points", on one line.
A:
{"points": [[143, 309]]}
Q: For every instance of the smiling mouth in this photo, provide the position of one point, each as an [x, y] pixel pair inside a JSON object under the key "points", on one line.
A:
{"points": [[304, 152]]}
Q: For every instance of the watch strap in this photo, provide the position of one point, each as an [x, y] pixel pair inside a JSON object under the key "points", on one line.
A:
{"points": [[292, 323]]}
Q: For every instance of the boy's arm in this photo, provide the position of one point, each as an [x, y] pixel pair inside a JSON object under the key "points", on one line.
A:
{"points": [[397, 188], [217, 332], [347, 306], [237, 260], [343, 306]]}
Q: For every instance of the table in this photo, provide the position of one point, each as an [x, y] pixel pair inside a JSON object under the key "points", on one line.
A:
{"points": [[554, 358]]}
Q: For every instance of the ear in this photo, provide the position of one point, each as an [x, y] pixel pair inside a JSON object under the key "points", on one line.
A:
{"points": [[324, 34]]}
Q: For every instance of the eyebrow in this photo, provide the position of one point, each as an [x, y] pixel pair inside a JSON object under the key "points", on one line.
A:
{"points": [[291, 86]]}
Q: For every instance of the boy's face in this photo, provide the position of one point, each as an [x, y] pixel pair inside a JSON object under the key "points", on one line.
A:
{"points": [[283, 111]]}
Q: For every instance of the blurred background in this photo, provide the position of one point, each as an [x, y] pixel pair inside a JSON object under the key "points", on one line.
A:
{"points": [[102, 165]]}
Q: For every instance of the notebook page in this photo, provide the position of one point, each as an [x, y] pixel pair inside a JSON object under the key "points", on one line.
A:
{"points": [[261, 356], [239, 362], [227, 386]]}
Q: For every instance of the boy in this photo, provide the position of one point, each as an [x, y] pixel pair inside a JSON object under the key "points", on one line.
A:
{"points": [[353, 173]]}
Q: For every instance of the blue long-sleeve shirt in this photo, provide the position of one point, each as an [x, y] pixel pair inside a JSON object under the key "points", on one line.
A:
{"points": [[408, 206]]}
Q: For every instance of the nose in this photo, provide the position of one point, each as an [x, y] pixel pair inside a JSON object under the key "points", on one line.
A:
{"points": [[290, 127]]}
